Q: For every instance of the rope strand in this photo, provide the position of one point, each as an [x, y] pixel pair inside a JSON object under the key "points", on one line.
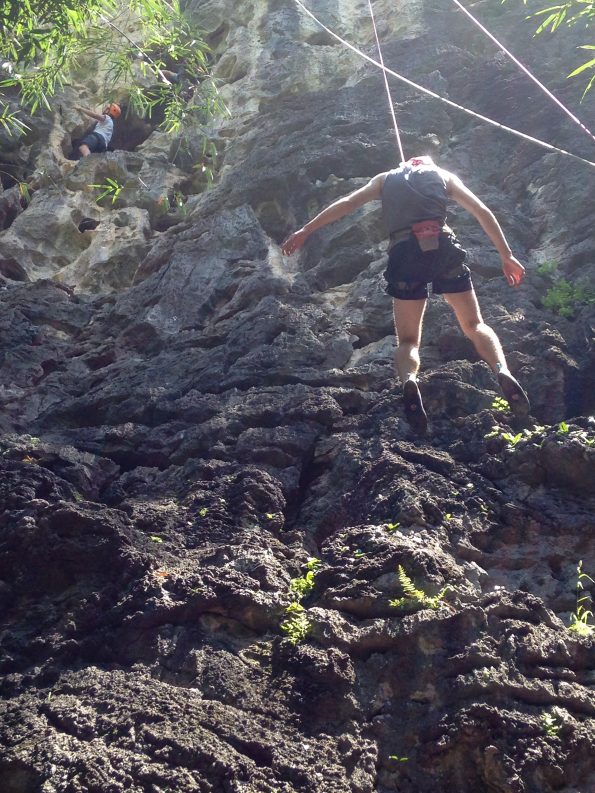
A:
{"points": [[390, 101], [521, 66], [449, 102]]}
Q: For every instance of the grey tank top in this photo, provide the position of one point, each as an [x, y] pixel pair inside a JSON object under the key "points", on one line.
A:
{"points": [[412, 193]]}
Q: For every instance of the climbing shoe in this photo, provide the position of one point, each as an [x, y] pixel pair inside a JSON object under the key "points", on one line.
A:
{"points": [[414, 408], [516, 397]]}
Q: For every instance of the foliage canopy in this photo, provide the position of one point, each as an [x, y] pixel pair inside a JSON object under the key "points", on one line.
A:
{"points": [[42, 43], [572, 12]]}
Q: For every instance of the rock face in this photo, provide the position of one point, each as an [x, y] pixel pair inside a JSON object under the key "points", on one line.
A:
{"points": [[187, 418]]}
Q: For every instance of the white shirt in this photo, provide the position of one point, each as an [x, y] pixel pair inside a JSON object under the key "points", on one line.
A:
{"points": [[105, 128]]}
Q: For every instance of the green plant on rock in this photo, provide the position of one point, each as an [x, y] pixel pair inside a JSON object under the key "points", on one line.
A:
{"points": [[302, 586], [550, 724], [25, 193], [565, 297], [538, 433], [111, 187], [10, 121], [513, 440], [580, 620], [495, 432], [296, 625], [548, 268], [205, 167], [501, 405], [414, 598]]}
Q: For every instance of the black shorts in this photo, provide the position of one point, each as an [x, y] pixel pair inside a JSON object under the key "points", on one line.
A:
{"points": [[95, 142], [410, 269]]}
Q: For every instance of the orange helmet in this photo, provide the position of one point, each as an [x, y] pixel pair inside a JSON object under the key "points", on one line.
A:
{"points": [[113, 110]]}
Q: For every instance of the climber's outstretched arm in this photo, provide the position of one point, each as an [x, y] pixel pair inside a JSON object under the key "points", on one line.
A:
{"points": [[514, 272], [338, 209], [90, 113]]}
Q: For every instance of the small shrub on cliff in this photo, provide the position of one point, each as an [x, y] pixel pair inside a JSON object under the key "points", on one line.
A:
{"points": [[296, 625], [300, 587], [580, 620], [111, 188], [550, 724], [416, 598], [539, 433], [501, 405], [548, 268], [565, 297]]}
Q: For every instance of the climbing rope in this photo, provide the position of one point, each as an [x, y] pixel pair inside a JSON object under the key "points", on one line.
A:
{"points": [[521, 66], [433, 94], [390, 100]]}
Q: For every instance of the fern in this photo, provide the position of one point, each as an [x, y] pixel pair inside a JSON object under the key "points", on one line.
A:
{"points": [[296, 625], [415, 598], [580, 620]]}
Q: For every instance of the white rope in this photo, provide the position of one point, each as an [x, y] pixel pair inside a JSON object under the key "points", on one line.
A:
{"points": [[427, 91], [390, 101], [521, 66]]}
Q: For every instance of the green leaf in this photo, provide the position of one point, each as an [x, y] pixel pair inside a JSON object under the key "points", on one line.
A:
{"points": [[588, 65]]}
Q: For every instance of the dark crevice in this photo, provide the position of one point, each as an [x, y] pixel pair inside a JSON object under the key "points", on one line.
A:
{"points": [[88, 224], [310, 471], [12, 202], [216, 39], [17, 778], [10, 268]]}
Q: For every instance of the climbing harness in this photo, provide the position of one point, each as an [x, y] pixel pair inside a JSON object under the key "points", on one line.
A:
{"points": [[423, 89], [427, 233]]}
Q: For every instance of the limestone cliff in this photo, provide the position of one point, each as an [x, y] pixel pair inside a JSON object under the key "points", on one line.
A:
{"points": [[187, 418]]}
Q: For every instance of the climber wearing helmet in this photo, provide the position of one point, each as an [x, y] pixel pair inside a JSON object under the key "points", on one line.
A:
{"points": [[422, 249], [97, 139]]}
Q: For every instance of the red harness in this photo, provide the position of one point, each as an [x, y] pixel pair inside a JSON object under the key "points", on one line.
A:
{"points": [[426, 232]]}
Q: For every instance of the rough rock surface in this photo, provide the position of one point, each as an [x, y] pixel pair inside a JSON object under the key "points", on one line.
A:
{"points": [[187, 418]]}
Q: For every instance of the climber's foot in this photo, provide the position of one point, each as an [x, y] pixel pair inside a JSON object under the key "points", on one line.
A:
{"points": [[516, 397], [414, 408]]}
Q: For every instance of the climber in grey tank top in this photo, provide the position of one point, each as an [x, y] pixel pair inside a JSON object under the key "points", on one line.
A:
{"points": [[423, 250], [411, 194]]}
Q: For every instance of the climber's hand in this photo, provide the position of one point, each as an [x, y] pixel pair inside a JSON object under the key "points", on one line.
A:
{"points": [[294, 242]]}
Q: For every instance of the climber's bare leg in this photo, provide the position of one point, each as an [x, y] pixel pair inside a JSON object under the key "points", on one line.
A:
{"points": [[408, 316], [483, 338], [488, 346]]}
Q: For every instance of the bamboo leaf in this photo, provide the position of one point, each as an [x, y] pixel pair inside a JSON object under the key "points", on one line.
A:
{"points": [[588, 65]]}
